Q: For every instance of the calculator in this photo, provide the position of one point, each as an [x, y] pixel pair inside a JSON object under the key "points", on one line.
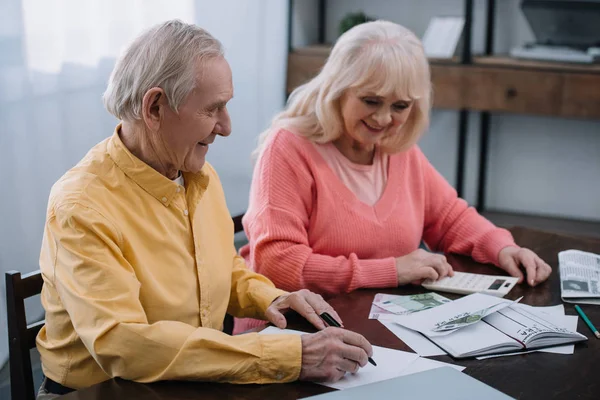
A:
{"points": [[467, 283]]}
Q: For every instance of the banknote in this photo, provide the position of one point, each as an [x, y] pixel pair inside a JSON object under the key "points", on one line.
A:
{"points": [[403, 305], [464, 319]]}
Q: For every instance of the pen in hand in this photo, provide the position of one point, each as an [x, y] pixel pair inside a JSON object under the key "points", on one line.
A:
{"points": [[332, 322]]}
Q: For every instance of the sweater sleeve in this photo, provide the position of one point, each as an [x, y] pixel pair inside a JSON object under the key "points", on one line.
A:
{"points": [[281, 204], [452, 226]]}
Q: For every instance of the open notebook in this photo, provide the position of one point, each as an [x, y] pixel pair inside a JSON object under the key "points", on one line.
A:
{"points": [[511, 329]]}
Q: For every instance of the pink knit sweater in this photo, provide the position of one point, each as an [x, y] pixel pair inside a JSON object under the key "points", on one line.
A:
{"points": [[306, 229]]}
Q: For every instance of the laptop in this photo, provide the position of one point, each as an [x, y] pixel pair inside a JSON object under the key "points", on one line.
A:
{"points": [[450, 384]]}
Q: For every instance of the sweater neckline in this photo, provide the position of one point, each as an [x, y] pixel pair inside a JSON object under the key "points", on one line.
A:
{"points": [[384, 206]]}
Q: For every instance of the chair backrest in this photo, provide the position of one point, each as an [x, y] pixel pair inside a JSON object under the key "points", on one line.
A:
{"points": [[237, 223], [21, 337], [228, 321]]}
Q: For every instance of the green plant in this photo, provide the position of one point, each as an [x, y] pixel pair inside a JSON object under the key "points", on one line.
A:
{"points": [[353, 19]]}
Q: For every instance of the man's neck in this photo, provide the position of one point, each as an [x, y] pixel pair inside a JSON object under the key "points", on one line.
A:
{"points": [[137, 142]]}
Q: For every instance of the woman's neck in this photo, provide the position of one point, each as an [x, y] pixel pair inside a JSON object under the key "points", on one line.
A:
{"points": [[355, 151]]}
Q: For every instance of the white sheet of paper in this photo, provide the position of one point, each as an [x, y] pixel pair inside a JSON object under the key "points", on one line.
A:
{"points": [[428, 320], [424, 364], [273, 330], [390, 364], [552, 310], [413, 339]]}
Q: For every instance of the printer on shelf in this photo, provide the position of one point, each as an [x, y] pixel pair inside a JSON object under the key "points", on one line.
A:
{"points": [[564, 31]]}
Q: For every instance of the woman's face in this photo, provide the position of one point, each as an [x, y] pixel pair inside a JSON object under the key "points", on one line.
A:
{"points": [[368, 117]]}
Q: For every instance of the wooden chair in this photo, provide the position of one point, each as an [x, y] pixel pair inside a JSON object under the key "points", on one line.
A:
{"points": [[21, 337], [237, 223], [228, 321]]}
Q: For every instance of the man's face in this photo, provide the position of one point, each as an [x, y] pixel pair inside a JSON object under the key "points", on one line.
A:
{"points": [[186, 135]]}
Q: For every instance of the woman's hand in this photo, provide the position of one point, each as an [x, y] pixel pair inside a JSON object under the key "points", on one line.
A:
{"points": [[421, 265], [511, 258]]}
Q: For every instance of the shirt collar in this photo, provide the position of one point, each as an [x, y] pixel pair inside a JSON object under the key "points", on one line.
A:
{"points": [[159, 186]]}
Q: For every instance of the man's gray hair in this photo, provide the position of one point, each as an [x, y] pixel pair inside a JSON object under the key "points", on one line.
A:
{"points": [[165, 56]]}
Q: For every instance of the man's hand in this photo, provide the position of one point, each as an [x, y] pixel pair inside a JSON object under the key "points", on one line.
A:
{"points": [[306, 303], [511, 258], [329, 354]]}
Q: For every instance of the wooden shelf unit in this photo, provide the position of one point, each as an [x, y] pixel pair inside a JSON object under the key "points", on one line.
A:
{"points": [[486, 85], [493, 84]]}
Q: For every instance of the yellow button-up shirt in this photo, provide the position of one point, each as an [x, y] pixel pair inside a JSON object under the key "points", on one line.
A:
{"points": [[138, 275]]}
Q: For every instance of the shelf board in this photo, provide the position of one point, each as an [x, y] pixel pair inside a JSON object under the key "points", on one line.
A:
{"points": [[495, 84]]}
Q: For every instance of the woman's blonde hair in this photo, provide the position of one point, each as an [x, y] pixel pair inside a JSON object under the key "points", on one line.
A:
{"points": [[382, 57]]}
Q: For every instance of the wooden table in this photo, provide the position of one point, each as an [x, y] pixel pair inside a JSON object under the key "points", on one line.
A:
{"points": [[529, 376]]}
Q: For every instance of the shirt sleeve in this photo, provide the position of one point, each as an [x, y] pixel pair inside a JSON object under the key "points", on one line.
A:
{"points": [[251, 293], [452, 226], [100, 292]]}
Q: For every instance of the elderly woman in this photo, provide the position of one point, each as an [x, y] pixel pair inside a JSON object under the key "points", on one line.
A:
{"points": [[342, 196], [138, 260]]}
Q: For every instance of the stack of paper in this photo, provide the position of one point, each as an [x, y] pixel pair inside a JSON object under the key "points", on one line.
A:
{"points": [[508, 326]]}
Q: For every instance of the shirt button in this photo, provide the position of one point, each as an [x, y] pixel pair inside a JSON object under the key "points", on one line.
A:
{"points": [[164, 199], [279, 376], [186, 212], [178, 189]]}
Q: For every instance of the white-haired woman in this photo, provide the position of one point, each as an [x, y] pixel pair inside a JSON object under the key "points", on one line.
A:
{"points": [[137, 258], [342, 196]]}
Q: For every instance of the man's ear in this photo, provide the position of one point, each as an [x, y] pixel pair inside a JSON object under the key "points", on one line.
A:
{"points": [[153, 107]]}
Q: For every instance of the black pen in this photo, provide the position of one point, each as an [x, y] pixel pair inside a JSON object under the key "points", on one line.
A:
{"points": [[332, 322]]}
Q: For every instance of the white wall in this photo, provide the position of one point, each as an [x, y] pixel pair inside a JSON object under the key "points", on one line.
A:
{"points": [[48, 126], [537, 165], [254, 34]]}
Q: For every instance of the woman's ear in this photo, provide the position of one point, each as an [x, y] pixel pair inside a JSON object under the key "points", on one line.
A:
{"points": [[153, 105]]}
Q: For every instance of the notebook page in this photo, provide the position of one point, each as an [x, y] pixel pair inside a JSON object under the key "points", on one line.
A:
{"points": [[523, 325], [475, 339], [567, 321]]}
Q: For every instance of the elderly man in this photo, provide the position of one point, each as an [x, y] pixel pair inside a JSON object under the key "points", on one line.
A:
{"points": [[138, 260]]}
